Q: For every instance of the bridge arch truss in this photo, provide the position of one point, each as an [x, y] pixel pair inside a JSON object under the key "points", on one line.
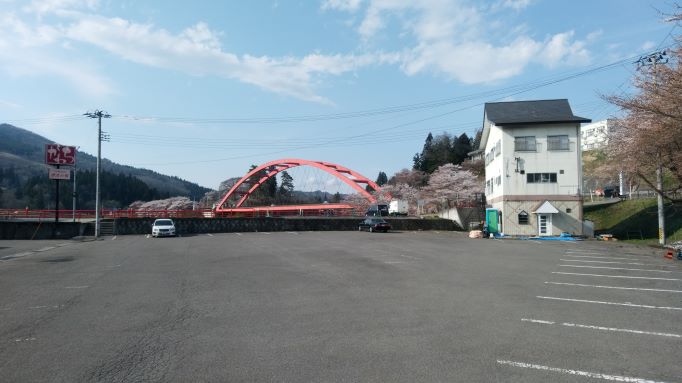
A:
{"points": [[355, 180]]}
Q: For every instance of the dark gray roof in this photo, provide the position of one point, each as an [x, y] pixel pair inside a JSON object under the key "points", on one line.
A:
{"points": [[531, 112]]}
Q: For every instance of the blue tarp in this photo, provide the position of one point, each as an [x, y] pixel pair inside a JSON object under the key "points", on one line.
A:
{"points": [[552, 238]]}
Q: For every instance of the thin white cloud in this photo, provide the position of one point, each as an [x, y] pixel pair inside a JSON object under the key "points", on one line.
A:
{"points": [[647, 46], [41, 7], [562, 49], [31, 56], [9, 104], [516, 5], [196, 51], [341, 5], [451, 38]]}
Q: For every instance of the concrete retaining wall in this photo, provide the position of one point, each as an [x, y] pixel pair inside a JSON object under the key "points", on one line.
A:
{"points": [[40, 230], [123, 226], [229, 225]]}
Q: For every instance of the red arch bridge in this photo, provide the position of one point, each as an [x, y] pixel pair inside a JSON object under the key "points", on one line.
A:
{"points": [[247, 185]]}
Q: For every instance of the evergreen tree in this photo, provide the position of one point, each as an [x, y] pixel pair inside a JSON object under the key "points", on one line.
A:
{"points": [[460, 148], [266, 193], [382, 178], [477, 140], [286, 188], [425, 160]]}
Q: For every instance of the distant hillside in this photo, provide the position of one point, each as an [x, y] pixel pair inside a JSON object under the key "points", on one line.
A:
{"points": [[22, 152]]}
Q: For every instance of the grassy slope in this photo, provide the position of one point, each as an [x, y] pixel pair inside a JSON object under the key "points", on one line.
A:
{"points": [[634, 216]]}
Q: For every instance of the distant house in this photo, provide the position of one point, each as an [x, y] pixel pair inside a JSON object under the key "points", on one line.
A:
{"points": [[595, 135], [475, 155], [533, 166]]}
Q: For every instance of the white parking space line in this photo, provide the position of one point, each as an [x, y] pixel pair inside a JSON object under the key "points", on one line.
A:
{"points": [[602, 328], [584, 252], [537, 321], [292, 232], [613, 287], [596, 257], [44, 249], [614, 329], [610, 303], [209, 234], [606, 262], [45, 307], [114, 237], [18, 255], [24, 340], [239, 234], [617, 276], [594, 375], [617, 268]]}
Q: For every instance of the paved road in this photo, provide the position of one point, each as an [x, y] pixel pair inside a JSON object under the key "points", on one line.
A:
{"points": [[337, 307]]}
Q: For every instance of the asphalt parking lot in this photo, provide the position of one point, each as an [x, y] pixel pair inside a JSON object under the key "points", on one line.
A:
{"points": [[337, 307]]}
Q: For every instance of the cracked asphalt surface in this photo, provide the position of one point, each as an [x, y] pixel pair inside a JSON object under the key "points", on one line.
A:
{"points": [[337, 307]]}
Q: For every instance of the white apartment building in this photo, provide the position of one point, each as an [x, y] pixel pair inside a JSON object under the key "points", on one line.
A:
{"points": [[595, 135], [533, 166]]}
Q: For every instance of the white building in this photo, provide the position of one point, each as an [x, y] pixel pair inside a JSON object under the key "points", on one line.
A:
{"points": [[533, 166], [595, 135]]}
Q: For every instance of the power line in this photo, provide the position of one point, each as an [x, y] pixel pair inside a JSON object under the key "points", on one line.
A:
{"points": [[510, 90], [505, 91], [527, 88]]}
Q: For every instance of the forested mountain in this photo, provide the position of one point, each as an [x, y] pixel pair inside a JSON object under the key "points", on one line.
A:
{"points": [[24, 182]]}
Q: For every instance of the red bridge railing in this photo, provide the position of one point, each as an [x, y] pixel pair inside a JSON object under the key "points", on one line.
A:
{"points": [[265, 211]]}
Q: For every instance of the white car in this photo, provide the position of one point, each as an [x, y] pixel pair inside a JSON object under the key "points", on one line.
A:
{"points": [[163, 227]]}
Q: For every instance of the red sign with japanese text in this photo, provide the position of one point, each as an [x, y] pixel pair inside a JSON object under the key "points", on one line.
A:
{"points": [[56, 154]]}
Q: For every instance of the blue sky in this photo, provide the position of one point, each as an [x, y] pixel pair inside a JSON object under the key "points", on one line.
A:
{"points": [[204, 89]]}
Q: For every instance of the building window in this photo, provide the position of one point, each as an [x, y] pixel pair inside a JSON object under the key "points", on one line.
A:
{"points": [[568, 210], [498, 148], [525, 144], [498, 180], [523, 218], [557, 142], [541, 178]]}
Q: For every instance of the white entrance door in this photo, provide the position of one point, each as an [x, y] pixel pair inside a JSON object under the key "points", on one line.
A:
{"points": [[544, 225]]}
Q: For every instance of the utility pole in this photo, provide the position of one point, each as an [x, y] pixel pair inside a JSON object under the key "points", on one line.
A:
{"points": [[98, 114], [652, 60]]}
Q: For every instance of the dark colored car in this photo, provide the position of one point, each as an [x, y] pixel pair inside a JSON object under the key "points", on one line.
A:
{"points": [[374, 224], [377, 210]]}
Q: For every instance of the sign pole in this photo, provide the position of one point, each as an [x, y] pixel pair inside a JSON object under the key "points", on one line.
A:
{"points": [[56, 202]]}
